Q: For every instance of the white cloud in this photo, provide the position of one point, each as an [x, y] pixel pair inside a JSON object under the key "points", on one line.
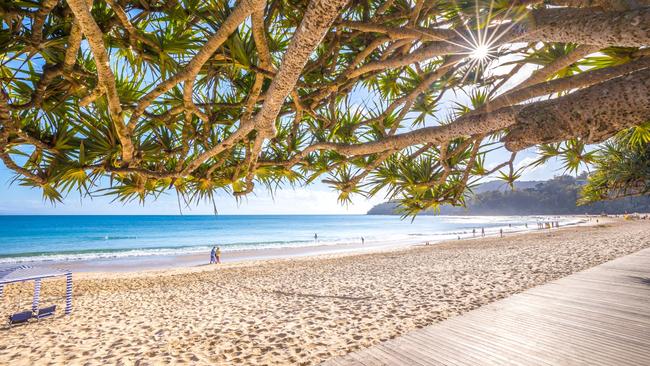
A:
{"points": [[524, 163], [537, 172]]}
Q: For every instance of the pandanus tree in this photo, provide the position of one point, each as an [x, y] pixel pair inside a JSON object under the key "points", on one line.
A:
{"points": [[133, 98]]}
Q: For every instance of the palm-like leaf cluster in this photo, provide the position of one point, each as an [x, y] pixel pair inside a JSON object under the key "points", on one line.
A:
{"points": [[622, 167]]}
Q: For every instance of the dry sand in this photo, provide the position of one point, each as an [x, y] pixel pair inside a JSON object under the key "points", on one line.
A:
{"points": [[298, 311]]}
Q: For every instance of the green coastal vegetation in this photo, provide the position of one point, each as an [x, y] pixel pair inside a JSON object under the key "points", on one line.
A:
{"points": [[134, 98], [558, 196]]}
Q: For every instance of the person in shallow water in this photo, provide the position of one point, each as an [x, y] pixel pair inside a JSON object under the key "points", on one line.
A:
{"points": [[217, 255]]}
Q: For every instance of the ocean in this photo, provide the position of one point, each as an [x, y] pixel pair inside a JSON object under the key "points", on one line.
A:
{"points": [[66, 238]]}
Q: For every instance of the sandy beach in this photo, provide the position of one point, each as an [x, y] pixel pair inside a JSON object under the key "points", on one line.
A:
{"points": [[299, 310]]}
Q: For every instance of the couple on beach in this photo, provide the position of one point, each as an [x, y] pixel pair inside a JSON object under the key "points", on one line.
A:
{"points": [[215, 255]]}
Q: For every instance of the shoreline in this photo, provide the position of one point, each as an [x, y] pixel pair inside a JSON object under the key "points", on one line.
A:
{"points": [[158, 262], [302, 254], [297, 310]]}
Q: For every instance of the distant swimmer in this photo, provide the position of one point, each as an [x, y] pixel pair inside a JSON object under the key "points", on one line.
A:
{"points": [[363, 240], [315, 237]]}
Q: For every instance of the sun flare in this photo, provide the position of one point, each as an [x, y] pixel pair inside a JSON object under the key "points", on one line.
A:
{"points": [[481, 52]]}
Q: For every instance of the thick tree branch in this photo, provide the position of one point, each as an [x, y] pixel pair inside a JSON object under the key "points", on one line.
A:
{"points": [[104, 73], [593, 114], [402, 32], [557, 65], [317, 20], [628, 28], [577, 81], [134, 34], [39, 20], [584, 26]]}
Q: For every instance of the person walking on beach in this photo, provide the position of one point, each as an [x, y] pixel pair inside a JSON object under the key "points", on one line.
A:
{"points": [[217, 255], [213, 255], [474, 233], [483, 231], [362, 240], [315, 237], [501, 232]]}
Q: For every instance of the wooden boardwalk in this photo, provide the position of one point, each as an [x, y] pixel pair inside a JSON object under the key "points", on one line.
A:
{"points": [[600, 316]]}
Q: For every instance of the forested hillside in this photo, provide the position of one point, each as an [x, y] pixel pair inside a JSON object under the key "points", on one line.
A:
{"points": [[556, 196]]}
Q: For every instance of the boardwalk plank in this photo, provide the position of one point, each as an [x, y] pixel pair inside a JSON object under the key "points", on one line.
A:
{"points": [[558, 338], [536, 341], [473, 351], [436, 348], [491, 333], [604, 315]]}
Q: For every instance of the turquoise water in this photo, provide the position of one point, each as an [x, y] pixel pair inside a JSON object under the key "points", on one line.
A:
{"points": [[29, 238]]}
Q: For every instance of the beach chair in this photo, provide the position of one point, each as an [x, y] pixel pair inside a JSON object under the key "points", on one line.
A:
{"points": [[20, 318], [45, 312]]}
